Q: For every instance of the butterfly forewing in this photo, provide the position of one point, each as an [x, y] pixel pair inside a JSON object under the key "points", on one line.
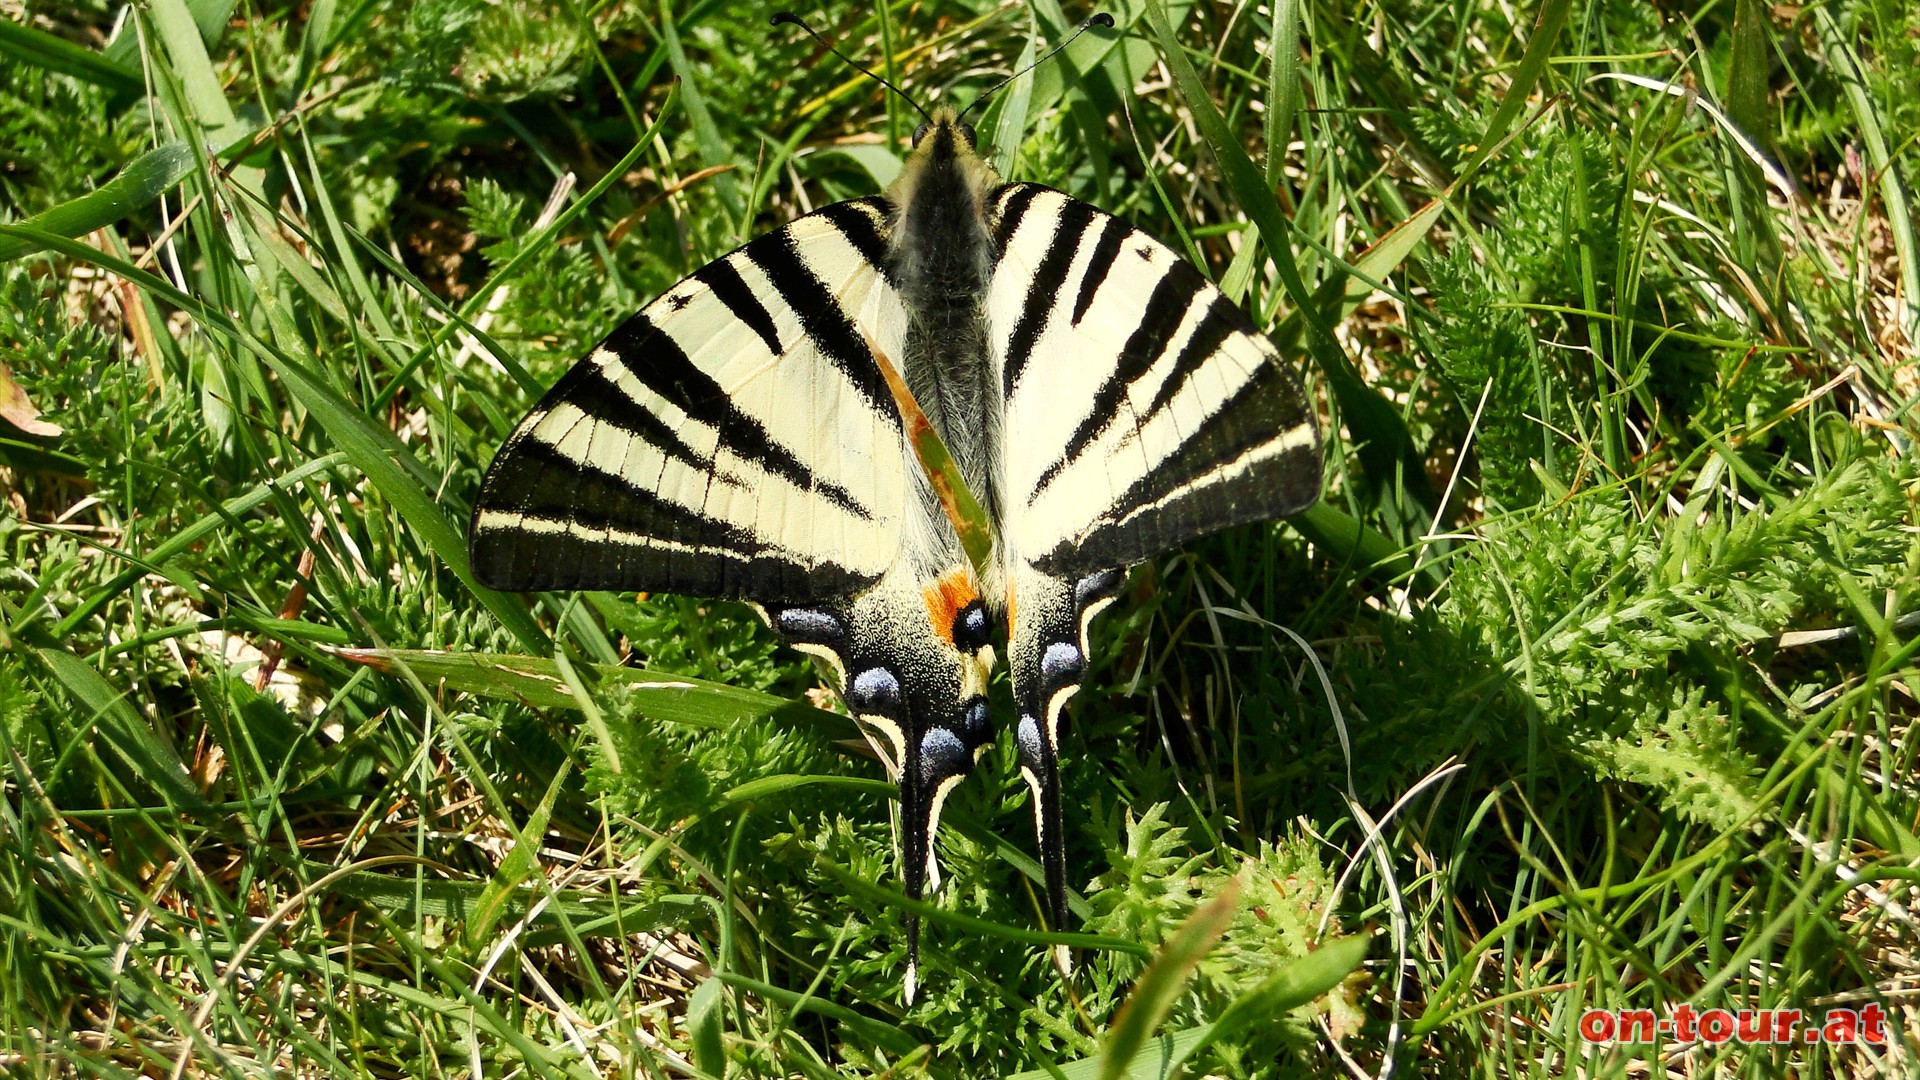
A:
{"points": [[732, 439], [1147, 408]]}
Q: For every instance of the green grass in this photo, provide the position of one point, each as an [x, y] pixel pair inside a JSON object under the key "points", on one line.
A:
{"points": [[1589, 685]]}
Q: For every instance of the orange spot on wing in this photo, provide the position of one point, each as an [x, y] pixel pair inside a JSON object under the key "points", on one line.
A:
{"points": [[945, 597]]}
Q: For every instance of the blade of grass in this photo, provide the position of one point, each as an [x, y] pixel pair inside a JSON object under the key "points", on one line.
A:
{"points": [[1533, 65], [520, 864], [374, 450], [768, 786], [1356, 543], [368, 304], [31, 457], [1746, 92], [706, 134], [890, 58], [1283, 85], [63, 57], [707, 1025], [316, 38], [1154, 1061], [1301, 981], [537, 680], [135, 187], [1298, 983], [1164, 981], [209, 16], [1846, 65], [1010, 125], [878, 1031], [179, 33], [125, 731]]}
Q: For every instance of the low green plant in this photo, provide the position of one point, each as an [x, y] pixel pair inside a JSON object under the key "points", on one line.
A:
{"points": [[1587, 686]]}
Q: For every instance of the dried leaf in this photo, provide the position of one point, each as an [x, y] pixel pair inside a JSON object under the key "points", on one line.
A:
{"points": [[18, 410]]}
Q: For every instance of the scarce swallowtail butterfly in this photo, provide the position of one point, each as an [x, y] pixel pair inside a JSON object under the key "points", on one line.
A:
{"points": [[749, 435]]}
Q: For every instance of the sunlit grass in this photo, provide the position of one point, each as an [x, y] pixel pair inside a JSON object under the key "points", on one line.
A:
{"points": [[1589, 685]]}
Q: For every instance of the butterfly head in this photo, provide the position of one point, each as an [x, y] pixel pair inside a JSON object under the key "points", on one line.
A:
{"points": [[945, 120], [945, 164], [944, 137]]}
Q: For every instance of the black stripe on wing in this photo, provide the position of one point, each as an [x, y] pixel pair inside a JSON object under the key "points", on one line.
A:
{"points": [[731, 289], [557, 501], [827, 325], [578, 562], [1166, 309], [1069, 226], [1013, 201], [588, 388], [662, 366], [1178, 500], [1223, 319], [1114, 233], [859, 221]]}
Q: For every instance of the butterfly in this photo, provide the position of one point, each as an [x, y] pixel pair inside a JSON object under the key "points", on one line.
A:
{"points": [[750, 434]]}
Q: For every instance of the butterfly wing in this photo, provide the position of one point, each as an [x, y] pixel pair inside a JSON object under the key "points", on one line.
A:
{"points": [[733, 439], [1142, 409], [737, 438]]}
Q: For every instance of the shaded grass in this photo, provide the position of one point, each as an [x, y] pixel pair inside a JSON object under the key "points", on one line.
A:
{"points": [[1607, 706]]}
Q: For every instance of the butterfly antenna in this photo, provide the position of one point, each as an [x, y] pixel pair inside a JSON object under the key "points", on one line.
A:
{"points": [[788, 18], [1100, 18]]}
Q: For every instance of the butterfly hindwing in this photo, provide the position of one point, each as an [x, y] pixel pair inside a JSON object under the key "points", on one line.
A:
{"points": [[912, 655], [1047, 656]]}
